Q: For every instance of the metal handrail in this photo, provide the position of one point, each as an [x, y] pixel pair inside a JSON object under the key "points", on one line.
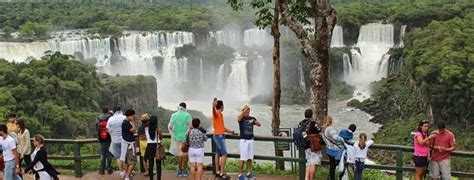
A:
{"points": [[399, 168]]}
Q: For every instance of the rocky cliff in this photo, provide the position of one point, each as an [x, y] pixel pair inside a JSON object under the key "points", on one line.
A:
{"points": [[136, 92]]}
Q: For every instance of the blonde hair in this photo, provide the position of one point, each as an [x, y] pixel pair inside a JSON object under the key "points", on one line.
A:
{"points": [[362, 140], [144, 117], [327, 121]]}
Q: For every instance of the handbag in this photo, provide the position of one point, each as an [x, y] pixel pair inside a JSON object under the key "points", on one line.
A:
{"points": [[185, 147], [160, 153]]}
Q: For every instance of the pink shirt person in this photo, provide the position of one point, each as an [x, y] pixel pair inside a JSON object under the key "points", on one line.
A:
{"points": [[421, 150]]}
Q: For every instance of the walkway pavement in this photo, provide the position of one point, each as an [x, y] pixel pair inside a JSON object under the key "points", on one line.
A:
{"points": [[166, 176]]}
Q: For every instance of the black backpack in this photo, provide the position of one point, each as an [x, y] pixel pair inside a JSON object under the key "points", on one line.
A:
{"points": [[300, 134]]}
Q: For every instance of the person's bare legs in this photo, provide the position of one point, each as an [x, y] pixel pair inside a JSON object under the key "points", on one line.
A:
{"points": [[222, 164], [120, 165], [129, 170], [310, 172], [241, 166], [419, 172], [249, 166], [185, 161], [199, 171], [216, 161], [192, 171]]}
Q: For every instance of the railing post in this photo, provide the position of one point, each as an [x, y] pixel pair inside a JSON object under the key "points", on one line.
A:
{"points": [[77, 159], [399, 157], [302, 165], [213, 151]]}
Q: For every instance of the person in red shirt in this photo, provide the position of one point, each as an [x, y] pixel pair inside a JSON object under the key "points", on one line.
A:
{"points": [[442, 146]]}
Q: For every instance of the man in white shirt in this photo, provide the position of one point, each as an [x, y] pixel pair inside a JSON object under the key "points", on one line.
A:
{"points": [[114, 127], [10, 154]]}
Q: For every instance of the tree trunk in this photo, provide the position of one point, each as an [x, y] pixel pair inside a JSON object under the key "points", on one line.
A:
{"points": [[276, 81], [317, 52]]}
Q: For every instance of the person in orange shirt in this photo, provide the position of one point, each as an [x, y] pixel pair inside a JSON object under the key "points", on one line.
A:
{"points": [[219, 137]]}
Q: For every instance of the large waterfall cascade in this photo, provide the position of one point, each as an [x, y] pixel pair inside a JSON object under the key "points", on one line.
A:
{"points": [[370, 62], [137, 51]]}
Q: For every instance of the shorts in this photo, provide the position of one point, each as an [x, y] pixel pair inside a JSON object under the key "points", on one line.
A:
{"points": [[125, 148], [131, 157], [443, 167], [420, 161], [246, 147], [115, 148], [313, 158], [196, 155], [143, 144], [220, 143]]}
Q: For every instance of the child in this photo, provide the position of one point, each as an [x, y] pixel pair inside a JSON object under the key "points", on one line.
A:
{"points": [[348, 134], [360, 151]]}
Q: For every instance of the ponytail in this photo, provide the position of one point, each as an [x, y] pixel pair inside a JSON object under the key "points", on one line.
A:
{"points": [[362, 140]]}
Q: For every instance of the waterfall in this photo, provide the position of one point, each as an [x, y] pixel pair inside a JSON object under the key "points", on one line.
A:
{"points": [[383, 68], [221, 78], [258, 76], [257, 37], [346, 60], [402, 34], [201, 73], [136, 50], [301, 76], [237, 84], [337, 39], [371, 63], [230, 38]]}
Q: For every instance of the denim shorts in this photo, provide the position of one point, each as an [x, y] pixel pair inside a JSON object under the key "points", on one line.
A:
{"points": [[220, 142]]}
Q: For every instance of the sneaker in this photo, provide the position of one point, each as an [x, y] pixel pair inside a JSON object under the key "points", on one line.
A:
{"points": [[110, 171], [122, 174], [185, 174], [224, 176], [250, 176], [241, 177], [179, 174], [101, 172]]}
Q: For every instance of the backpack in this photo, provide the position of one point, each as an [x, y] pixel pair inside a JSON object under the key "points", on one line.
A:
{"points": [[299, 134], [103, 134], [315, 142]]}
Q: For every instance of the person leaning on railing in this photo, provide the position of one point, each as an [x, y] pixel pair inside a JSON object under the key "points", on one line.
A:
{"points": [[40, 165]]}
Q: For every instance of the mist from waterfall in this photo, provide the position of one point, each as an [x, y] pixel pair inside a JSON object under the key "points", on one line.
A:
{"points": [[369, 59]]}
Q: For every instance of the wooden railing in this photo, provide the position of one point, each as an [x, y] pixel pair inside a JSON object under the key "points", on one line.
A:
{"points": [[399, 167]]}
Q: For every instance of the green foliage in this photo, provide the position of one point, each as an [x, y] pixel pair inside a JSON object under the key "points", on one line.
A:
{"points": [[340, 90], [109, 18], [32, 30], [53, 95], [439, 59], [107, 28], [7, 30]]}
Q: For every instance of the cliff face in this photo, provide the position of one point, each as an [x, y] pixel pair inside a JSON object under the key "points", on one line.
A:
{"points": [[135, 92]]}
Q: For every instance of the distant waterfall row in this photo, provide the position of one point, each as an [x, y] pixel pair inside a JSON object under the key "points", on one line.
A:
{"points": [[246, 75]]}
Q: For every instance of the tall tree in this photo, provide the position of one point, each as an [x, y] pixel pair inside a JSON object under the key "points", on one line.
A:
{"points": [[266, 18], [297, 15], [324, 17]]}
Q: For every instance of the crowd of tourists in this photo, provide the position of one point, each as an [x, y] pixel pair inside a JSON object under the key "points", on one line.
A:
{"points": [[16, 147], [130, 142]]}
